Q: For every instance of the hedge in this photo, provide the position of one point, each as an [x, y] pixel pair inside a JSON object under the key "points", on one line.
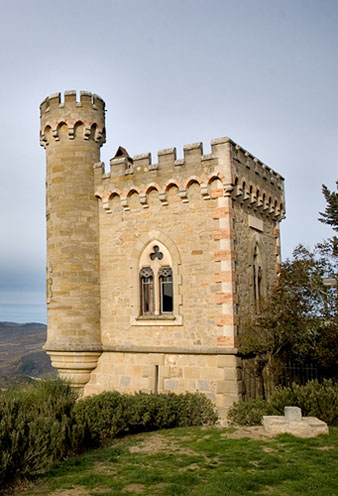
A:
{"points": [[42, 423]]}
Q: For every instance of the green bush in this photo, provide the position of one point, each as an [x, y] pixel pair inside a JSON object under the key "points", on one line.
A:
{"points": [[35, 428], [315, 399], [112, 414], [102, 416], [249, 412]]}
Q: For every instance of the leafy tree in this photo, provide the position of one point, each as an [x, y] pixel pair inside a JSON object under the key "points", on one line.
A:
{"points": [[298, 323], [330, 216], [291, 321]]}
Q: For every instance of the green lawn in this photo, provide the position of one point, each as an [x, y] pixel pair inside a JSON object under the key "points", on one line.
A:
{"points": [[196, 461]]}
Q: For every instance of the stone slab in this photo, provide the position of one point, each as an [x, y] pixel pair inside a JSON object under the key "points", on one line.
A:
{"points": [[293, 413], [307, 427]]}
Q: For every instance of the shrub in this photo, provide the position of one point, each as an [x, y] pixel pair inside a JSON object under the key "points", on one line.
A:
{"points": [[315, 399], [111, 414], [249, 412], [35, 428], [103, 416]]}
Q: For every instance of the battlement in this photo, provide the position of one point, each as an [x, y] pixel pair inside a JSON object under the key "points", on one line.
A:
{"points": [[87, 99], [166, 159], [193, 154], [240, 155], [240, 174], [84, 117]]}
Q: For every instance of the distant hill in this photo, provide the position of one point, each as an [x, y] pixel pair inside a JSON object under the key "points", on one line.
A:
{"points": [[21, 350]]}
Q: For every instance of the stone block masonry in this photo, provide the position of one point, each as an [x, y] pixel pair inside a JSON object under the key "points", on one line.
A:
{"points": [[152, 266]]}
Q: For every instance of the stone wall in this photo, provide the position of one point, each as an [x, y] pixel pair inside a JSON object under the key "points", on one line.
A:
{"points": [[217, 376]]}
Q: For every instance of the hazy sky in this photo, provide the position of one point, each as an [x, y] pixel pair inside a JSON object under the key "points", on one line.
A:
{"points": [[264, 72]]}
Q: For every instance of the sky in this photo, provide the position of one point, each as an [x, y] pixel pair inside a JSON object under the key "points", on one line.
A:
{"points": [[263, 72]]}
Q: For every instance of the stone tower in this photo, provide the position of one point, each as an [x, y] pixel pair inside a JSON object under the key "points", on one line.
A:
{"points": [[152, 265], [72, 133]]}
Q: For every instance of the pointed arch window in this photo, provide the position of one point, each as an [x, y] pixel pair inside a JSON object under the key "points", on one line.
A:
{"points": [[156, 282]]}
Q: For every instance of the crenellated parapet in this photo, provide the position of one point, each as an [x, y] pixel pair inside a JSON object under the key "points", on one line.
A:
{"points": [[83, 118], [256, 184], [166, 160], [240, 175]]}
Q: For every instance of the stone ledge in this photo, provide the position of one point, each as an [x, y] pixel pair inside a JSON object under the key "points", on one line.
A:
{"points": [[175, 350], [306, 427]]}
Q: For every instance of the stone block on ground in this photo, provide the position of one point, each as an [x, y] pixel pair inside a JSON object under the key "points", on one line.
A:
{"points": [[293, 423]]}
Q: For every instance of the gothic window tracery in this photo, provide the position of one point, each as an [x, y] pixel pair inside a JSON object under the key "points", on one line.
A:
{"points": [[156, 282]]}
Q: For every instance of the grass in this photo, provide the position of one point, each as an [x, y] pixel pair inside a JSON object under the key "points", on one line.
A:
{"points": [[196, 461]]}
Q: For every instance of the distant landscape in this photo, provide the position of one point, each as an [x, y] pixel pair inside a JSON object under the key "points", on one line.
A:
{"points": [[21, 355]]}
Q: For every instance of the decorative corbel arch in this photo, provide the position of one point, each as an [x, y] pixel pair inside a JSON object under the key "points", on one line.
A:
{"points": [[45, 136], [219, 191], [56, 130], [192, 179], [152, 186], [170, 183]]}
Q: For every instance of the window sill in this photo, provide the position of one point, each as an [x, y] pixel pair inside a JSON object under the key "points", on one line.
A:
{"points": [[157, 320], [163, 316]]}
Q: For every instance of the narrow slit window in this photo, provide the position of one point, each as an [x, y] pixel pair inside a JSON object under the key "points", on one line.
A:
{"points": [[147, 291], [156, 377], [166, 290], [257, 279]]}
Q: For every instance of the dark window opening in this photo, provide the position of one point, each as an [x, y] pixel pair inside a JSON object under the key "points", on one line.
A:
{"points": [[147, 291], [166, 290], [156, 377], [257, 280]]}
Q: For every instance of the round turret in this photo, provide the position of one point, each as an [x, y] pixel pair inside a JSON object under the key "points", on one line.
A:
{"points": [[72, 133]]}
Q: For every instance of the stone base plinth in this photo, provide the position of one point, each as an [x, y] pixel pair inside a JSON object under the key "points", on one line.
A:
{"points": [[75, 366], [216, 376]]}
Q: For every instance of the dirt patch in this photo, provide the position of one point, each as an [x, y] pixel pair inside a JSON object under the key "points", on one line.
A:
{"points": [[191, 467], [76, 491], [158, 444], [104, 468], [134, 488], [253, 432], [266, 449], [155, 444], [160, 485]]}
